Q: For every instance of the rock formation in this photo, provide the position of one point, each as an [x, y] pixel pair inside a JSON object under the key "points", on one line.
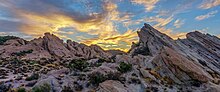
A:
{"points": [[155, 63]]}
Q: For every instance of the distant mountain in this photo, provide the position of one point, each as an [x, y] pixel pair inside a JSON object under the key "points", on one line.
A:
{"points": [[155, 63]]}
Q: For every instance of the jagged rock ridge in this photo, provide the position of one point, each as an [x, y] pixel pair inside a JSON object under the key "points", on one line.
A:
{"points": [[50, 46]]}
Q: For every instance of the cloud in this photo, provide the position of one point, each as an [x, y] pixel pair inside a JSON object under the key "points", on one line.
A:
{"points": [[178, 23], [24, 36], [171, 33], [208, 15], [161, 25], [2, 33], [98, 25], [148, 4], [110, 42], [207, 4]]}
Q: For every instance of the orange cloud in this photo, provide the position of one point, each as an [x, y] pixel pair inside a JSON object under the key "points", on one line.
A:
{"points": [[99, 24], [102, 25]]}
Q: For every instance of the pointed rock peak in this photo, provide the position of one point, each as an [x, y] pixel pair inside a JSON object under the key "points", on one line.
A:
{"points": [[195, 33], [151, 41], [146, 26], [147, 30], [48, 34]]}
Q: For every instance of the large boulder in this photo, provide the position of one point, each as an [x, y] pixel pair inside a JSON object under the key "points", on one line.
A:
{"points": [[174, 65], [112, 86]]}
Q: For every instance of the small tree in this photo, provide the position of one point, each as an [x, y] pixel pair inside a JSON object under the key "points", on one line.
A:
{"points": [[42, 88], [124, 67], [78, 64], [96, 78], [34, 76]]}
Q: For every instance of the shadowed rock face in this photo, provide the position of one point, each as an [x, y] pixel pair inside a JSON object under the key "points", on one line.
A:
{"points": [[159, 63]]}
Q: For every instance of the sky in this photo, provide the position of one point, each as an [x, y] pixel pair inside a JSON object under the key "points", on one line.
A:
{"points": [[111, 24]]}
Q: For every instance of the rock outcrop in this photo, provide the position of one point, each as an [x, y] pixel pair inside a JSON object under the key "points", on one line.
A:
{"points": [[156, 63], [50, 46], [112, 86]]}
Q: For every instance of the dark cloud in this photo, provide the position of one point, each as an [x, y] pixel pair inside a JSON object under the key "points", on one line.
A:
{"points": [[9, 26]]}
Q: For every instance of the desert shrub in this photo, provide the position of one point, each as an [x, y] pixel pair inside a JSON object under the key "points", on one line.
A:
{"points": [[67, 89], [78, 64], [32, 62], [113, 76], [3, 39], [124, 67], [4, 87], [152, 89], [22, 53], [21, 90], [96, 78], [135, 80], [78, 87], [42, 88], [34, 76], [100, 61], [16, 61], [104, 60]]}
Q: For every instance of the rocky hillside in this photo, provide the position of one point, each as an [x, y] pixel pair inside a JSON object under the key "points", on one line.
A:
{"points": [[157, 63], [49, 47]]}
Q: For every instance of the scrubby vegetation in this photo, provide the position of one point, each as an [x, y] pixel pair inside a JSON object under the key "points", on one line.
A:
{"points": [[124, 67], [42, 88], [34, 76], [96, 78], [22, 53], [21, 90], [78, 64], [4, 87], [3, 39], [67, 89], [16, 61]]}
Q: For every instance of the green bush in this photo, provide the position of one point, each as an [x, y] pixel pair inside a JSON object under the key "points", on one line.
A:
{"points": [[22, 53], [34, 76], [67, 89], [78, 64], [124, 67], [42, 88], [3, 39], [16, 61], [21, 90], [96, 78]]}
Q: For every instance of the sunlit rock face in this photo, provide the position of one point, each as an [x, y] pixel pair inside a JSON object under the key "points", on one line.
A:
{"points": [[155, 63], [152, 40]]}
